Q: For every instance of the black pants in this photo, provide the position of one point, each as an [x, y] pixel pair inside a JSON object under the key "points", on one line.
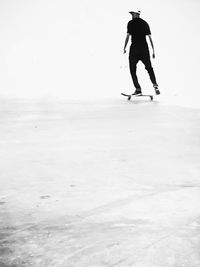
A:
{"points": [[143, 55]]}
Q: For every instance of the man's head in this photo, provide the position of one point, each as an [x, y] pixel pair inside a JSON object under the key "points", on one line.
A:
{"points": [[135, 14]]}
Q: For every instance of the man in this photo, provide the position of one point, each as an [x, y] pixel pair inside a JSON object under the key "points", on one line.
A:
{"points": [[138, 29]]}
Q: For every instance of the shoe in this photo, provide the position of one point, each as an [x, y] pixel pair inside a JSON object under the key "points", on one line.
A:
{"points": [[156, 89], [137, 92]]}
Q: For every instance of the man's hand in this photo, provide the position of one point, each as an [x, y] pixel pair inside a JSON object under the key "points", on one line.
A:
{"points": [[126, 42], [151, 41]]}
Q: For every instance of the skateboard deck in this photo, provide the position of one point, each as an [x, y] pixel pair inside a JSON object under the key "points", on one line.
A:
{"points": [[140, 95]]}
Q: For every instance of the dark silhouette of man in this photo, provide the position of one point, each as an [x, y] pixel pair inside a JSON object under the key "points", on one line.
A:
{"points": [[138, 29]]}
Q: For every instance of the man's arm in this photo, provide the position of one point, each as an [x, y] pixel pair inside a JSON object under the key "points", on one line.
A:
{"points": [[126, 42], [151, 41]]}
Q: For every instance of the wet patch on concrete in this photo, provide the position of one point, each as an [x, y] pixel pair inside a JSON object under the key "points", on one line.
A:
{"points": [[6, 251], [45, 197], [6, 232], [8, 264]]}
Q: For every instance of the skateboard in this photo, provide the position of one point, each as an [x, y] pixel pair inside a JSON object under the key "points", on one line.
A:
{"points": [[129, 96]]}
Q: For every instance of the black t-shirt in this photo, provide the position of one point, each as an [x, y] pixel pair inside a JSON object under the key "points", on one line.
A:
{"points": [[138, 29]]}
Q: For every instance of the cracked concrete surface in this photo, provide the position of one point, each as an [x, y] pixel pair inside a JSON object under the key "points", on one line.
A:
{"points": [[99, 184]]}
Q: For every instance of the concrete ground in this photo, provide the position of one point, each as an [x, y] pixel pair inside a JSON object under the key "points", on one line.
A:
{"points": [[96, 184]]}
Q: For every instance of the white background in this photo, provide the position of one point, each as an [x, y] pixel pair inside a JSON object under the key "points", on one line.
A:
{"points": [[74, 49]]}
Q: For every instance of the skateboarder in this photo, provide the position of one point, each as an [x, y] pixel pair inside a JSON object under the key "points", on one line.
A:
{"points": [[138, 29]]}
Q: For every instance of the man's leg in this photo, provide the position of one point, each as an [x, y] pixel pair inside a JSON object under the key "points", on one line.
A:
{"points": [[145, 58], [147, 62], [133, 60]]}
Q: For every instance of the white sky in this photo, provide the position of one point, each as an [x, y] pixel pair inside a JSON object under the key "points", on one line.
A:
{"points": [[70, 49]]}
